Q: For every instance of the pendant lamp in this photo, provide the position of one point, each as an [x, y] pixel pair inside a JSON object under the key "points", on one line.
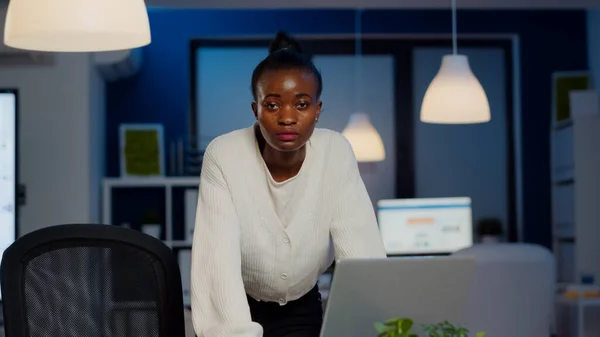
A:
{"points": [[455, 96], [364, 138], [362, 135], [76, 25]]}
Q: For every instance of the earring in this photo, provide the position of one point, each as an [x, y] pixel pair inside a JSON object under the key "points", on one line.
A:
{"points": [[316, 119]]}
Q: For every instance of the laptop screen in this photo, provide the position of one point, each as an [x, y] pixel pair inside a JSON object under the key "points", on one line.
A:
{"points": [[425, 226]]}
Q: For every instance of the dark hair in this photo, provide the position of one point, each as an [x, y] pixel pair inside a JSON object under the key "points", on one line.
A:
{"points": [[285, 52]]}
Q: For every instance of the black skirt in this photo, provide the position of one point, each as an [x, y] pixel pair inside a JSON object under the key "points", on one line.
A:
{"points": [[300, 318]]}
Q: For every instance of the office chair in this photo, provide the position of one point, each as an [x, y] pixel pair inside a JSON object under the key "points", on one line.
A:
{"points": [[91, 280]]}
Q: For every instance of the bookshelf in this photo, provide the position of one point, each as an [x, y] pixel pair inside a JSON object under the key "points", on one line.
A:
{"points": [[125, 200], [167, 185]]}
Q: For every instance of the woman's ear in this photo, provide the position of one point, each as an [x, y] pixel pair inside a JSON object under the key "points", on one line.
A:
{"points": [[318, 112], [255, 109]]}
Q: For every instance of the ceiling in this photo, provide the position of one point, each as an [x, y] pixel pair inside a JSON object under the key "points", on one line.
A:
{"points": [[377, 4]]}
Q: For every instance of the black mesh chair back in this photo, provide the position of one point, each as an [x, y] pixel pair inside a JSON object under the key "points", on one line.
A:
{"points": [[85, 280]]}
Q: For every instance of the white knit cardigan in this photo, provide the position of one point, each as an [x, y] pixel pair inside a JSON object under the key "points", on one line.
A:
{"points": [[241, 248]]}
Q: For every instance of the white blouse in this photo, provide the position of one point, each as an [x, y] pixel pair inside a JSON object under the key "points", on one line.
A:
{"points": [[282, 192], [242, 246]]}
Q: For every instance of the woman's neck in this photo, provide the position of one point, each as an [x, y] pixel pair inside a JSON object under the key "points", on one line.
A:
{"points": [[281, 165], [284, 161]]}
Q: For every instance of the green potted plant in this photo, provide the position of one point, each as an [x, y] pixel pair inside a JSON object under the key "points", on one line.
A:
{"points": [[446, 329], [490, 230], [395, 327], [402, 327]]}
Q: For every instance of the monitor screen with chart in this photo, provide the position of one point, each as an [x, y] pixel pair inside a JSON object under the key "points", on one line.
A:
{"points": [[8, 168], [425, 226]]}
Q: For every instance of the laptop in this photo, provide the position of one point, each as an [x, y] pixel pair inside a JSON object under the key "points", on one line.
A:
{"points": [[426, 289]]}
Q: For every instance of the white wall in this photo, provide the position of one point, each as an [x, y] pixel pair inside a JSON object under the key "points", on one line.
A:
{"points": [[60, 133], [97, 153]]}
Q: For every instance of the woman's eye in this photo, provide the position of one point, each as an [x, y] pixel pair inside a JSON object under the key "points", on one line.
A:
{"points": [[303, 105], [271, 106]]}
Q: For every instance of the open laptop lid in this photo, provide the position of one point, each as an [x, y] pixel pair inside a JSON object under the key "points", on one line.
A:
{"points": [[425, 289]]}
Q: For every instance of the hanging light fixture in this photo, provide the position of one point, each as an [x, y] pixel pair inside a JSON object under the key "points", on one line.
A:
{"points": [[364, 138], [455, 96], [76, 25], [362, 135]]}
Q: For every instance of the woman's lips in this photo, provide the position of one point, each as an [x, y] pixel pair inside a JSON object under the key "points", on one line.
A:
{"points": [[287, 136]]}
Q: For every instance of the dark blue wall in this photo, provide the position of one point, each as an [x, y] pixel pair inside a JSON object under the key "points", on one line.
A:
{"points": [[550, 41]]}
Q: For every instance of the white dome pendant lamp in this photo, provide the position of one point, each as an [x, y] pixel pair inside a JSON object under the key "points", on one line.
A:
{"points": [[76, 25], [364, 138], [361, 134], [455, 96]]}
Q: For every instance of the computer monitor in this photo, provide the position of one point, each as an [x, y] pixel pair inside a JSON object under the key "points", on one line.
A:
{"points": [[426, 226], [8, 168]]}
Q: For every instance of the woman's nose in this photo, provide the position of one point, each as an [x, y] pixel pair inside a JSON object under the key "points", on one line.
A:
{"points": [[288, 116]]}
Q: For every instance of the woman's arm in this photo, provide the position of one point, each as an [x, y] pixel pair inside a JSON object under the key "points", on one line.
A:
{"points": [[354, 226], [219, 304]]}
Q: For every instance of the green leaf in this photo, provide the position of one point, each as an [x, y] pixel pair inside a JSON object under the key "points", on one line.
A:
{"points": [[398, 325], [380, 327], [429, 328], [401, 327], [406, 324], [392, 321]]}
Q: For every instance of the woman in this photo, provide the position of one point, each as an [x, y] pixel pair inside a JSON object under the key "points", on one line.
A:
{"points": [[272, 197]]}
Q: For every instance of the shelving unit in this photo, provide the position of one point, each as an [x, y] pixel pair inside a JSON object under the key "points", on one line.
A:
{"points": [[575, 179], [575, 172], [164, 193], [166, 183]]}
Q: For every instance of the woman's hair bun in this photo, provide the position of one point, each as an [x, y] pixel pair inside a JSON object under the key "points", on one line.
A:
{"points": [[284, 41]]}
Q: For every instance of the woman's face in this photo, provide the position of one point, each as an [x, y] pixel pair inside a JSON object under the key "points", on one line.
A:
{"points": [[287, 107]]}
